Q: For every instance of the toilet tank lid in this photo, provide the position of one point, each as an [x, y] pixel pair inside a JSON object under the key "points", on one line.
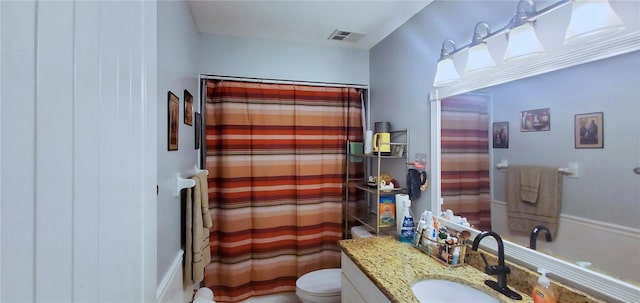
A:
{"points": [[360, 232], [324, 281]]}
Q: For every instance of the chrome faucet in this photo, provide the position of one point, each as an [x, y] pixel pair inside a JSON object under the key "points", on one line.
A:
{"points": [[534, 235], [500, 270]]}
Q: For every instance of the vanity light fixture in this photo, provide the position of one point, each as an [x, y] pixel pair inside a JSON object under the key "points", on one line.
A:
{"points": [[591, 19], [478, 57], [523, 41], [446, 72]]}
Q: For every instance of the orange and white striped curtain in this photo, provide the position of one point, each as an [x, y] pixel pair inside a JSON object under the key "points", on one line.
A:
{"points": [[276, 157], [465, 158]]}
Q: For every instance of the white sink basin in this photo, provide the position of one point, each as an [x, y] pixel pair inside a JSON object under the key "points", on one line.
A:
{"points": [[436, 291]]}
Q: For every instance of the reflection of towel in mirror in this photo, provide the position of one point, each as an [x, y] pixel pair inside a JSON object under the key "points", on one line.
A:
{"points": [[197, 252], [529, 183], [546, 211]]}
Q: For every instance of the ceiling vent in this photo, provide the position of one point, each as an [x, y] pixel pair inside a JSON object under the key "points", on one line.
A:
{"points": [[341, 35]]}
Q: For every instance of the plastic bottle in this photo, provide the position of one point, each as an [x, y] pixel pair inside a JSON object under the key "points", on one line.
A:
{"points": [[406, 231], [419, 230], [542, 293]]}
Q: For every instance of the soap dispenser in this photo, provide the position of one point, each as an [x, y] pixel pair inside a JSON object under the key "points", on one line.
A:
{"points": [[542, 293]]}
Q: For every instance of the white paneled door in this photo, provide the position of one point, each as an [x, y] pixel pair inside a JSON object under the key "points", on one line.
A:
{"points": [[78, 151]]}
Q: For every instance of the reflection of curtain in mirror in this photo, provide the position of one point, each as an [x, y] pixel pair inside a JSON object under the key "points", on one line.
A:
{"points": [[276, 157], [465, 158]]}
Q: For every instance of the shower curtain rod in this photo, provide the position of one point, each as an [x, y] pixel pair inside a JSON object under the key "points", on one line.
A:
{"points": [[281, 81]]}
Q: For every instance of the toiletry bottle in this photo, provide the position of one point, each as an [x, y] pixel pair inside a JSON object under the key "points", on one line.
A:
{"points": [[419, 231], [542, 293], [406, 232]]}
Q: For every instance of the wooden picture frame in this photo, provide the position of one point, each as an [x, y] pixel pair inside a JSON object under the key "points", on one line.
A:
{"points": [[535, 120], [500, 137], [397, 150], [589, 130], [173, 109], [198, 130], [188, 108]]}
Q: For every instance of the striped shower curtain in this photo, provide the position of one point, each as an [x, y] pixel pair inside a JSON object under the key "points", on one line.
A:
{"points": [[465, 158], [276, 157]]}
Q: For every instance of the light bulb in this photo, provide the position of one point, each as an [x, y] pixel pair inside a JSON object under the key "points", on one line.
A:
{"points": [[591, 19], [523, 43], [479, 59], [446, 73]]}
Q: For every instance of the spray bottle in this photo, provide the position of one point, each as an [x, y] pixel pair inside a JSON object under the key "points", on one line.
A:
{"points": [[407, 229]]}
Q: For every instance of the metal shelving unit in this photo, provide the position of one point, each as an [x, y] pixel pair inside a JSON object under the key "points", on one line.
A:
{"points": [[366, 210]]}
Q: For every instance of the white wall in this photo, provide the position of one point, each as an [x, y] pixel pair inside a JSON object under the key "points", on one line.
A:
{"points": [[177, 71], [78, 151], [228, 56]]}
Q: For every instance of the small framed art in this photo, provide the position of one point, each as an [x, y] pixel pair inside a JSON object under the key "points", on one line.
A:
{"points": [[589, 130], [535, 120], [500, 133], [198, 129], [397, 150], [173, 113], [188, 108]]}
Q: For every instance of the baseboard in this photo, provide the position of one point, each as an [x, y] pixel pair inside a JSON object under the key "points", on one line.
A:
{"points": [[170, 286]]}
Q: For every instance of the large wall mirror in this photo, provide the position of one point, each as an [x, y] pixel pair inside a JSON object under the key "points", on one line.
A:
{"points": [[600, 204], [599, 217]]}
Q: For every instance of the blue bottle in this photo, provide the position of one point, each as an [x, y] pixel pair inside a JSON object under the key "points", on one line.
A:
{"points": [[408, 225]]}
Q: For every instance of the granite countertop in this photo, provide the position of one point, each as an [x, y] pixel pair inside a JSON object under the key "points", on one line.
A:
{"points": [[394, 267]]}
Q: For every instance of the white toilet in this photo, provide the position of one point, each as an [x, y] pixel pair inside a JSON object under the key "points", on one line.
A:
{"points": [[324, 286], [320, 286]]}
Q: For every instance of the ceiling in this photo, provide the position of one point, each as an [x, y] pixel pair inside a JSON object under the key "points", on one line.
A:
{"points": [[308, 22]]}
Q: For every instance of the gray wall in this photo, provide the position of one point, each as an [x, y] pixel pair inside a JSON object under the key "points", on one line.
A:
{"points": [[607, 189], [177, 71], [254, 58], [402, 67]]}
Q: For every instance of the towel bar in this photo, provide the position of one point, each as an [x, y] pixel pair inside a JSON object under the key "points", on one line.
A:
{"points": [[571, 170], [183, 183], [198, 170]]}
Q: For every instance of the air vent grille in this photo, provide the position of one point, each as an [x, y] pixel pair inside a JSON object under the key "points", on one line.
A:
{"points": [[342, 35]]}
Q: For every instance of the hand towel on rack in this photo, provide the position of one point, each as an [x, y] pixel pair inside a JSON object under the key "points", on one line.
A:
{"points": [[529, 183], [203, 185], [525, 216], [197, 252]]}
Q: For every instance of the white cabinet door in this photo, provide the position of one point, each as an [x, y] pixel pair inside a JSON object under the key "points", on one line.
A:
{"points": [[360, 283], [349, 292]]}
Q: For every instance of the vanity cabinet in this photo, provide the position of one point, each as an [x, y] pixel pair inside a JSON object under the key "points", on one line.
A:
{"points": [[366, 207], [356, 286]]}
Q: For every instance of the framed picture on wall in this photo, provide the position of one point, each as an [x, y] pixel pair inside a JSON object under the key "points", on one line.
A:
{"points": [[172, 127], [397, 150], [198, 130], [535, 120], [500, 133], [188, 108], [589, 130]]}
